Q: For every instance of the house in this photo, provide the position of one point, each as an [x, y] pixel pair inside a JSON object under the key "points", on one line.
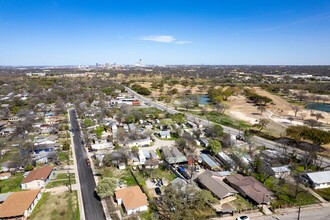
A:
{"points": [[226, 161], [208, 162], [318, 180], [140, 143], [204, 142], [213, 182], [5, 176], [4, 196], [250, 188], [164, 134], [172, 155], [37, 178], [192, 125], [279, 172], [131, 127], [19, 205], [133, 199], [101, 144], [121, 166], [51, 139], [7, 131]]}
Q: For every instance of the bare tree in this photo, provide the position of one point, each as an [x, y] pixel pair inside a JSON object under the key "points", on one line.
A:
{"points": [[318, 116], [261, 108], [295, 109]]}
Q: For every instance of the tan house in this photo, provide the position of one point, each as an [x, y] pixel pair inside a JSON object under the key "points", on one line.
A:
{"points": [[133, 199], [37, 179], [19, 205]]}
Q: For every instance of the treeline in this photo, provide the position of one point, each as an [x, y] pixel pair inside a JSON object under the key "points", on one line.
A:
{"points": [[314, 135], [256, 98], [217, 95], [141, 90]]}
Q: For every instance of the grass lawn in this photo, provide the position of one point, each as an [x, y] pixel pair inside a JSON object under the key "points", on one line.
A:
{"points": [[64, 176], [10, 155], [56, 183], [325, 193], [285, 194], [240, 203], [12, 184], [53, 206], [227, 121], [63, 156], [127, 178], [123, 175]]}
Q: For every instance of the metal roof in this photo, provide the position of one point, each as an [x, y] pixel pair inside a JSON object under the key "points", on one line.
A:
{"points": [[320, 177]]}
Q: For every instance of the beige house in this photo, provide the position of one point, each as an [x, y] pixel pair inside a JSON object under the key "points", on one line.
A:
{"points": [[38, 178]]}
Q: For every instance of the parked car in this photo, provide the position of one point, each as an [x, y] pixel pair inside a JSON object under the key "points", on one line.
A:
{"points": [[158, 191], [243, 217]]}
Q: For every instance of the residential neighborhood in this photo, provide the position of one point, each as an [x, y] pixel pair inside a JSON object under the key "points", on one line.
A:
{"points": [[112, 153]]}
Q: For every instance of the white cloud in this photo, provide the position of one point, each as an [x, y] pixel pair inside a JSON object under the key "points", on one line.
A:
{"points": [[159, 38], [184, 42]]}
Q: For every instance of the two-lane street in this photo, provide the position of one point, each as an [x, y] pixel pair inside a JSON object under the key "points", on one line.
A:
{"points": [[92, 206]]}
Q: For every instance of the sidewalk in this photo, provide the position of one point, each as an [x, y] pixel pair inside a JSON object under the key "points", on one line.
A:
{"points": [[313, 193]]}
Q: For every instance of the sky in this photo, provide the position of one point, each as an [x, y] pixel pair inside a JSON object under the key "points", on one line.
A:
{"points": [[210, 32]]}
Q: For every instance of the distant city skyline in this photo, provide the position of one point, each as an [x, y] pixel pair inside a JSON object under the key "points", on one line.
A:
{"points": [[174, 32]]}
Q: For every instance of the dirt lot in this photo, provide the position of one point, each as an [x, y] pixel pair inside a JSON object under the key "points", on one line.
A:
{"points": [[54, 206]]}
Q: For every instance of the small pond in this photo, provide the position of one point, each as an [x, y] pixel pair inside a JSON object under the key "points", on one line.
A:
{"points": [[203, 99], [318, 106]]}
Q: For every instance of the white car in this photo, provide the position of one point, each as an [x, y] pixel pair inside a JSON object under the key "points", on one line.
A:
{"points": [[243, 217]]}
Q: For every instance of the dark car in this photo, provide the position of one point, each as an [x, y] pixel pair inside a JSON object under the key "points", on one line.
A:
{"points": [[158, 191]]}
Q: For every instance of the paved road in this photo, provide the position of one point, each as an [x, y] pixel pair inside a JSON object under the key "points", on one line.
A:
{"points": [[92, 206], [256, 139]]}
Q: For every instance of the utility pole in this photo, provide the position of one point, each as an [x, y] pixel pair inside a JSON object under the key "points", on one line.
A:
{"points": [[299, 210]]}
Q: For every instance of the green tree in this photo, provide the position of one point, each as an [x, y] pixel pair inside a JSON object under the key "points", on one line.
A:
{"points": [[106, 187], [88, 122], [262, 123], [214, 146], [180, 203], [214, 132], [129, 119]]}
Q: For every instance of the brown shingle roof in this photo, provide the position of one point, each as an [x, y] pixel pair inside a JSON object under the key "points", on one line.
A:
{"points": [[17, 203], [132, 197], [213, 182], [38, 174], [251, 187]]}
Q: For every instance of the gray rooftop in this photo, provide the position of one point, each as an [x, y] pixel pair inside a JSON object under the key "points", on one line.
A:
{"points": [[208, 160], [213, 182], [320, 177]]}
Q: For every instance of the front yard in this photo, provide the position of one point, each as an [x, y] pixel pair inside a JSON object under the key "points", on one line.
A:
{"points": [[325, 193], [62, 179], [288, 194]]}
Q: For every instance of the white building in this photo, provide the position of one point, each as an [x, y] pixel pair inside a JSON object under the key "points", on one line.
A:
{"points": [[318, 180]]}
